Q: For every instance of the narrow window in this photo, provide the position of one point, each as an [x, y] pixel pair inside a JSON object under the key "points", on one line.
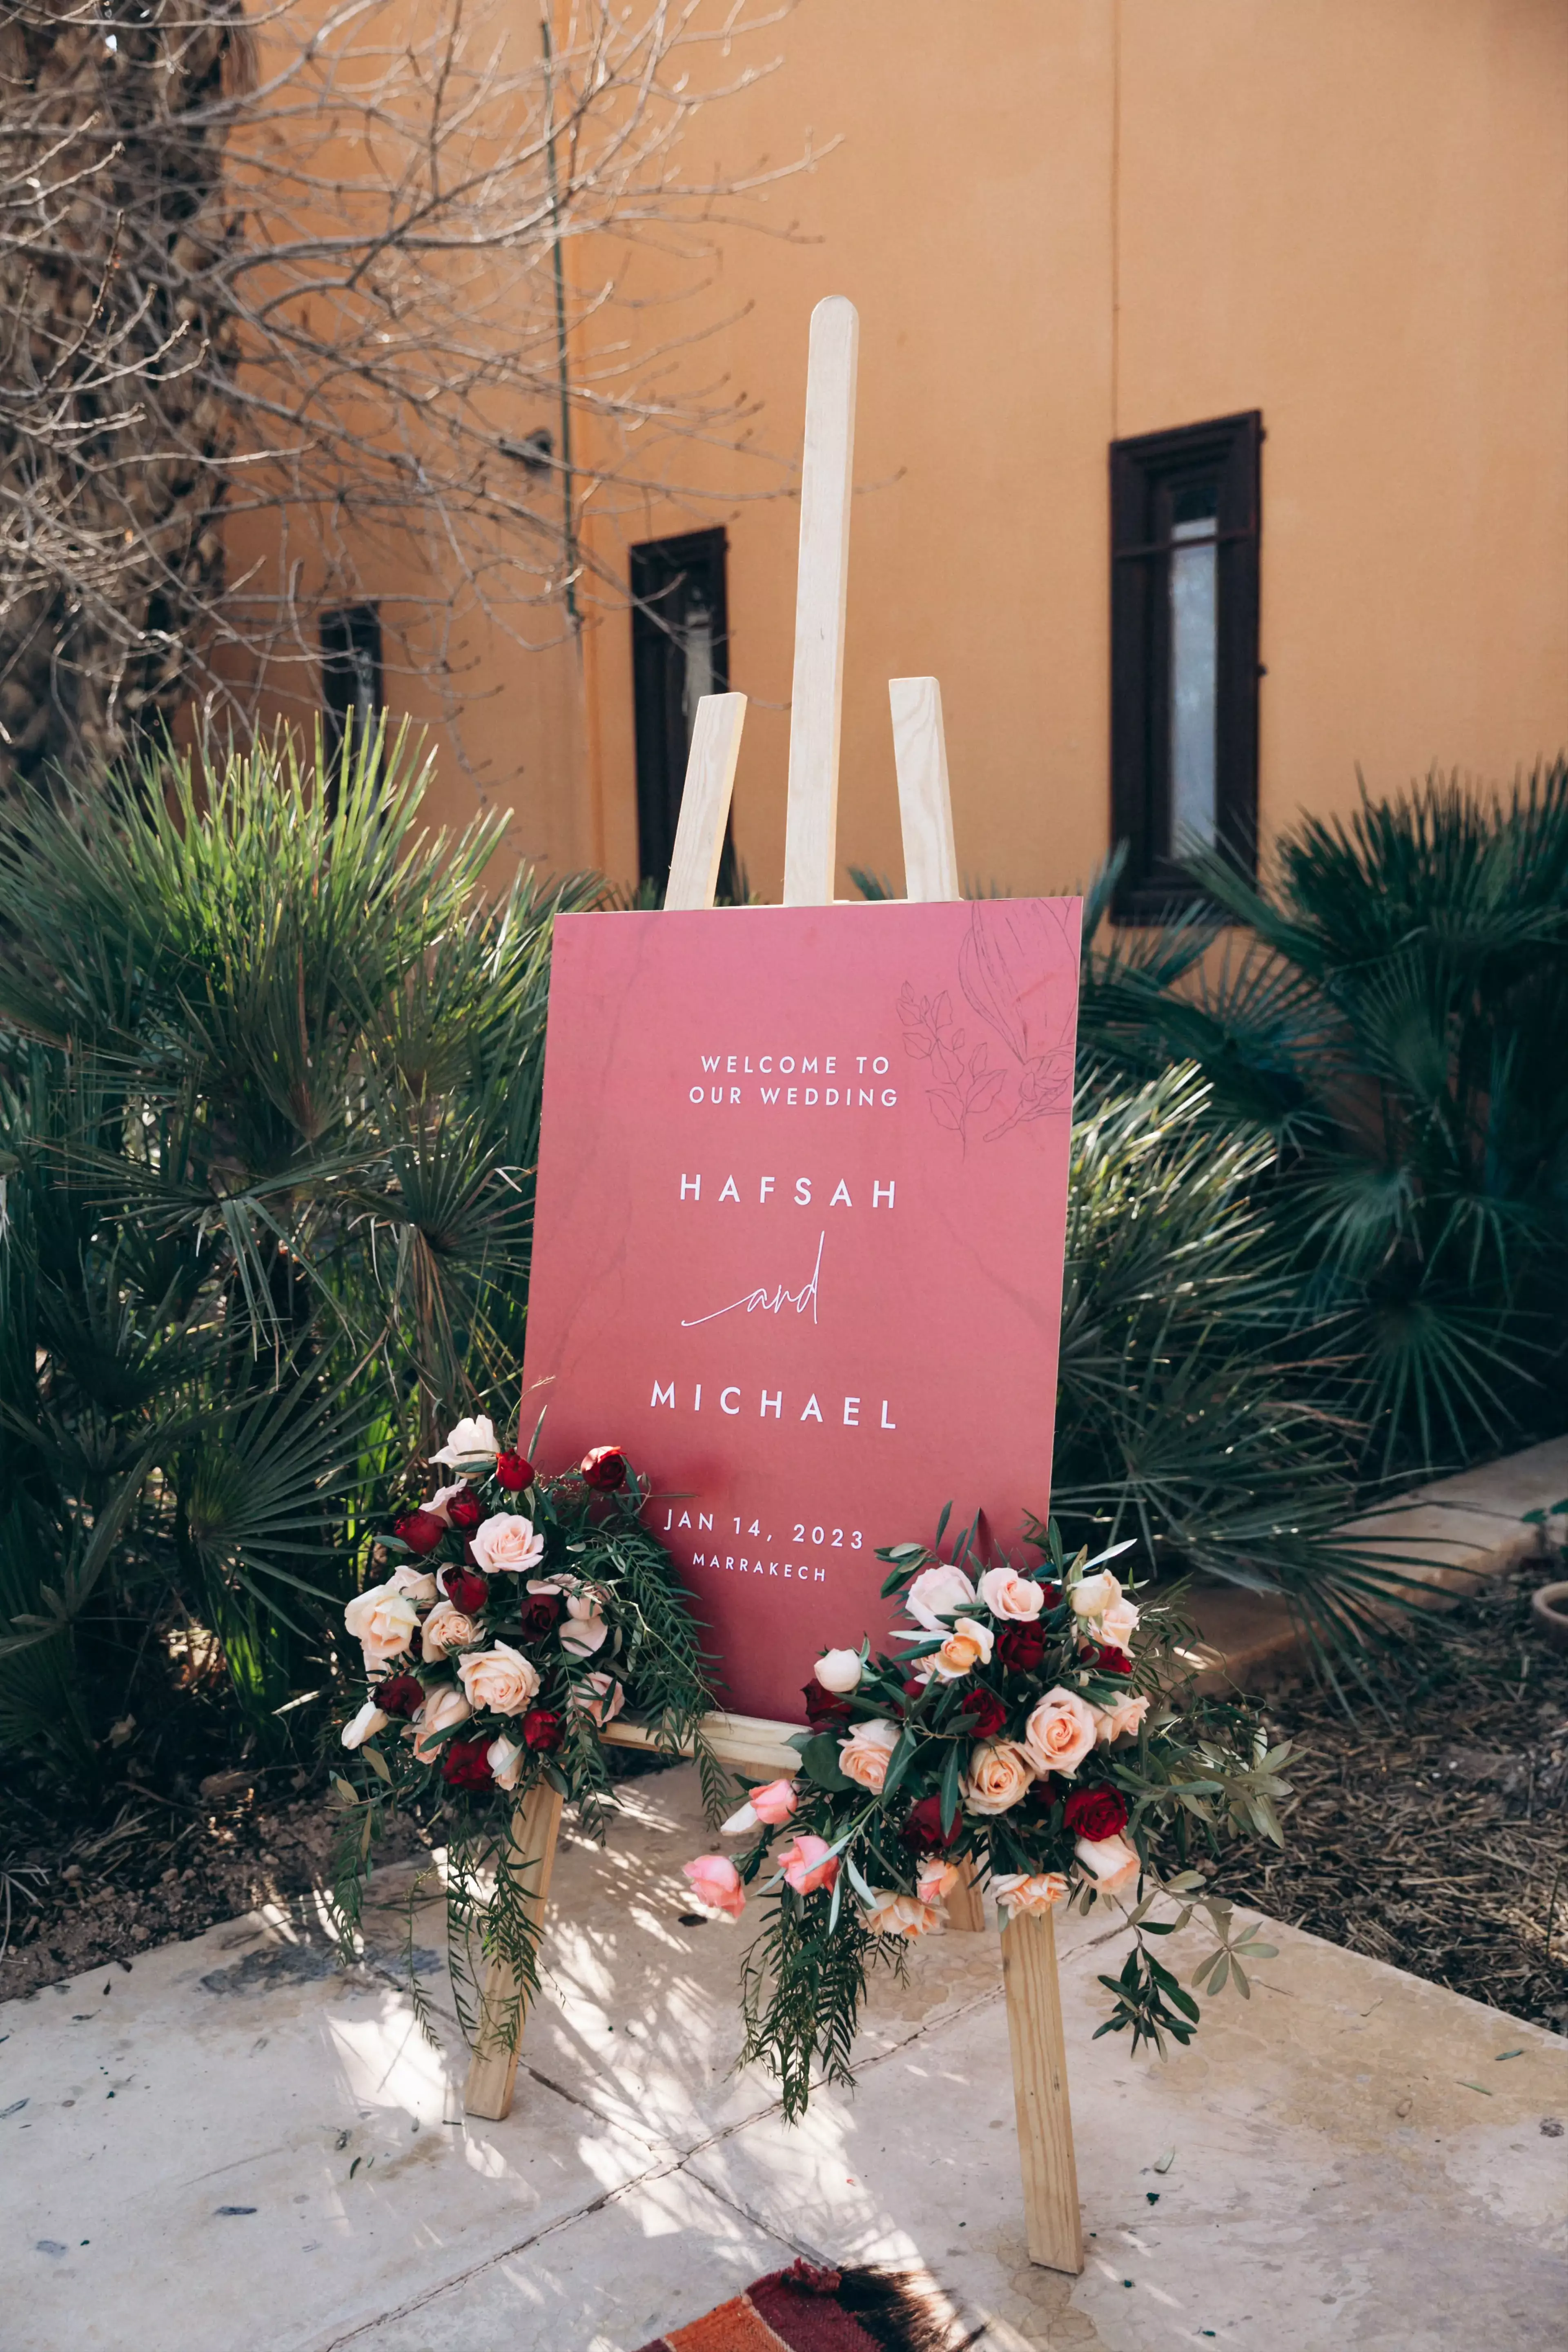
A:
{"points": [[680, 653], [1183, 652], [350, 679]]}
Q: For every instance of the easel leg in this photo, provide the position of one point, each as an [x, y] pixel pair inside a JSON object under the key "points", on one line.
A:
{"points": [[965, 1908], [1054, 2223], [492, 2070]]}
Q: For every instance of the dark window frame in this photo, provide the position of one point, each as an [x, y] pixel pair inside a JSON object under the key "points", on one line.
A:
{"points": [[351, 648], [659, 568], [1146, 473]]}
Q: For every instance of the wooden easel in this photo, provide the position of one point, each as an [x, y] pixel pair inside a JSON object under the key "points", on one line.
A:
{"points": [[931, 869]]}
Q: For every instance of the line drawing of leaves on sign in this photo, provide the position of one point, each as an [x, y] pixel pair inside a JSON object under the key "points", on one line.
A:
{"points": [[1019, 971], [965, 1087]]}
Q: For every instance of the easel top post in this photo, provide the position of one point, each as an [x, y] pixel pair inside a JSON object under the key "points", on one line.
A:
{"points": [[811, 821]]}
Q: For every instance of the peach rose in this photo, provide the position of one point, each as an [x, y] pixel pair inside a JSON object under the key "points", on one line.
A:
{"points": [[999, 1774], [807, 1863], [891, 1914], [507, 1543], [383, 1621], [583, 1629], [441, 1711], [936, 1879], [774, 1802], [506, 1761], [468, 1440], [418, 1584], [937, 1592], [866, 1755], [1060, 1731], [1112, 1861], [446, 1629], [501, 1678], [1118, 1721], [1091, 1596], [364, 1725], [1025, 1897], [839, 1670], [714, 1880], [605, 1697], [1118, 1625], [1007, 1594], [968, 1645]]}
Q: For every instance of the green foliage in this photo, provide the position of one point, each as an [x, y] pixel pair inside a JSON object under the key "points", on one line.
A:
{"points": [[271, 1065]]}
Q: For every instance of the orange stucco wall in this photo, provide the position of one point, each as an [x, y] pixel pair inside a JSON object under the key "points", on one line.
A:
{"points": [[1065, 221]]}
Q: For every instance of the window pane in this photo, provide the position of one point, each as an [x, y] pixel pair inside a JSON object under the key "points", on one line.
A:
{"points": [[1195, 613], [697, 638]]}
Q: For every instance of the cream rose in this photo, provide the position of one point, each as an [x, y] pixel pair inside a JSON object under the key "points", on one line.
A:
{"points": [[891, 1914], [1118, 1625], [968, 1645], [446, 1630], [866, 1755], [999, 1774], [1060, 1731], [1110, 1861], [838, 1670], [605, 1697], [501, 1678], [364, 1725], [441, 1711], [1091, 1596], [383, 1621], [506, 1759], [1013, 1597], [937, 1592], [507, 1543], [1025, 1897], [1118, 1721], [583, 1629], [468, 1440], [417, 1583]]}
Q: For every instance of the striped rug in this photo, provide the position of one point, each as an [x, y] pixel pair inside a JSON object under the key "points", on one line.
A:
{"points": [[806, 2310]]}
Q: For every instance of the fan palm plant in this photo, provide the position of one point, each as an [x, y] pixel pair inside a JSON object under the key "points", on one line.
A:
{"points": [[270, 1092]]}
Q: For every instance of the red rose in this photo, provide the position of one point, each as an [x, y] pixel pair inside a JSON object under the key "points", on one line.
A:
{"points": [[1043, 1795], [1022, 1647], [465, 1510], [923, 1828], [420, 1530], [541, 1615], [543, 1728], [1053, 1596], [1095, 1813], [605, 1468], [1104, 1659], [399, 1695], [985, 1711], [464, 1587], [825, 1710], [513, 1473], [467, 1765]]}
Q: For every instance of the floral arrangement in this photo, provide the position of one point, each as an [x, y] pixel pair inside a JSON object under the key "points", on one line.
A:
{"points": [[1034, 1733], [519, 1616]]}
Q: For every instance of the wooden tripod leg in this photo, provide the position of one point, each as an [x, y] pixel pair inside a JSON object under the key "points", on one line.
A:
{"points": [[492, 2070], [925, 802], [705, 801], [1054, 2224], [965, 1909]]}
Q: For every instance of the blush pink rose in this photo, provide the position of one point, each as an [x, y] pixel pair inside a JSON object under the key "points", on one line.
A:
{"points": [[937, 1593], [506, 1759], [1008, 1595], [999, 1774], [967, 1647], [501, 1678], [1118, 1722], [383, 1620], [506, 1543], [418, 1584], [441, 1711], [866, 1755], [583, 1629], [601, 1696], [1110, 1860], [1060, 1731], [807, 1864], [714, 1880], [891, 1914], [446, 1629], [1026, 1896], [1118, 1625]]}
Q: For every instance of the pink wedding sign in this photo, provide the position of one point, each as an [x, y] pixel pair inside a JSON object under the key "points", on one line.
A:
{"points": [[798, 1242]]}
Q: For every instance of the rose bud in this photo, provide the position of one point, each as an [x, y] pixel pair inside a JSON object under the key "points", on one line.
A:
{"points": [[466, 1764], [465, 1511], [714, 1880], [825, 1711], [985, 1712], [420, 1530], [1095, 1813], [464, 1587], [838, 1670], [541, 1615], [923, 1829], [543, 1728], [513, 1473], [1021, 1647], [605, 1468], [400, 1694], [807, 1862]]}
